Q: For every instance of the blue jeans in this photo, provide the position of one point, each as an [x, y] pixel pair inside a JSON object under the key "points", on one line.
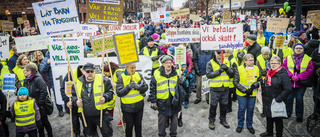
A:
{"points": [[246, 103], [297, 93]]}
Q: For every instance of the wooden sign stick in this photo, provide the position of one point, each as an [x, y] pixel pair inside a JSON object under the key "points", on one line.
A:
{"points": [[102, 70], [70, 102]]}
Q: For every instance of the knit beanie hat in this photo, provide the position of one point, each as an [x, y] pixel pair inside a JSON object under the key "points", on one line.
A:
{"points": [[297, 45], [23, 91], [163, 36], [155, 36], [142, 30], [164, 58]]}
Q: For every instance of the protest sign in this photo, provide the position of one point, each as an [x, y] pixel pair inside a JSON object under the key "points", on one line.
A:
{"points": [[316, 20], [126, 48], [144, 67], [26, 24], [162, 14], [74, 49], [96, 44], [194, 17], [8, 83], [155, 16], [182, 35], [216, 37], [126, 28], [103, 12], [168, 18], [68, 88], [242, 17], [277, 24], [180, 55], [57, 17], [205, 85], [279, 42], [4, 47], [7, 26], [253, 24], [183, 17], [311, 14], [19, 20], [263, 12], [86, 31], [1, 23], [178, 13], [250, 74], [31, 43], [226, 16]]}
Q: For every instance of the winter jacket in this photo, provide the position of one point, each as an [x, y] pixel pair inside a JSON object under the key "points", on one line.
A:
{"points": [[280, 89], [45, 68], [12, 61], [316, 64], [44, 76], [200, 60], [236, 81], [89, 108], [123, 91], [144, 40], [151, 29], [267, 35], [311, 46], [253, 49], [246, 28]]}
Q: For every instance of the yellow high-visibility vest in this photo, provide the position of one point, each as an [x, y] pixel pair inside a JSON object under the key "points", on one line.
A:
{"points": [[262, 62], [233, 60], [165, 85], [25, 113], [243, 79], [19, 72], [155, 64], [261, 41], [222, 80], [133, 96], [303, 66]]}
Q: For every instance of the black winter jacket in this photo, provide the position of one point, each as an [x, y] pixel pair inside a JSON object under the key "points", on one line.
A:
{"points": [[311, 46], [316, 63], [122, 91], [253, 49], [279, 90], [200, 60]]}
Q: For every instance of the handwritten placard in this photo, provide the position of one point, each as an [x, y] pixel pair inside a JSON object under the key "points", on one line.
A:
{"points": [[4, 47], [7, 26], [125, 28], [26, 24], [8, 83], [19, 20], [311, 14], [125, 48], [277, 24], [279, 42], [182, 35], [226, 16], [86, 31], [96, 44], [31, 43], [68, 88], [180, 55], [178, 13], [316, 20], [250, 74]]}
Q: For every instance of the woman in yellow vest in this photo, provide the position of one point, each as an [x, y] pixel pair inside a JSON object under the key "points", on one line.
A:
{"points": [[22, 61], [246, 80], [130, 87], [261, 40], [299, 67], [26, 114]]}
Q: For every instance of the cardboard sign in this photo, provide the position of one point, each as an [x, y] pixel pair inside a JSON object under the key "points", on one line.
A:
{"points": [[250, 74], [311, 14], [195, 17], [277, 25], [104, 12], [182, 35], [86, 31], [226, 16], [155, 16], [242, 17], [68, 88], [279, 42], [263, 12], [74, 48], [57, 17], [26, 25], [1, 23], [8, 83], [125, 28], [96, 44], [4, 47], [217, 37], [316, 20], [178, 13], [253, 24], [126, 48], [180, 55], [19, 20], [182, 18], [7, 26], [31, 43], [205, 85]]}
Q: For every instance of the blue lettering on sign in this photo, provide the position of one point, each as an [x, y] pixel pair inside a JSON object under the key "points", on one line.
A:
{"points": [[231, 46], [181, 40], [84, 27]]}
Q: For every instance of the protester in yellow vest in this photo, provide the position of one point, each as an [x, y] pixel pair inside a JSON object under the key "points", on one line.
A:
{"points": [[89, 90], [22, 61], [299, 67], [261, 40], [232, 90], [4, 69], [218, 73], [246, 80], [130, 87], [26, 113]]}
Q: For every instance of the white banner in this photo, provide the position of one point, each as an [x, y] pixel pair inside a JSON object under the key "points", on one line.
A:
{"points": [[215, 37], [86, 31], [182, 35], [125, 28], [162, 14], [4, 47], [144, 67], [74, 48], [155, 16], [56, 17], [253, 24], [31, 43], [168, 18]]}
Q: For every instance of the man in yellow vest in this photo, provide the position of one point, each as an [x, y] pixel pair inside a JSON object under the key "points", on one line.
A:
{"points": [[232, 90], [165, 91], [219, 74], [130, 87], [89, 91]]}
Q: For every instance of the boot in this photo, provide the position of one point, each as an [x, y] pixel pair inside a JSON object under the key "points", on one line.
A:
{"points": [[211, 124], [180, 123], [186, 105]]}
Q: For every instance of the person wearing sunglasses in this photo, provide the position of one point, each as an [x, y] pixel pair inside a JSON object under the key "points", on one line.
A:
{"points": [[90, 100]]}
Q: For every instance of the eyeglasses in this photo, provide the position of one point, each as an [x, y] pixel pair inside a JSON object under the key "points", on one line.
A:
{"points": [[274, 63], [168, 63], [89, 71], [250, 60], [298, 48]]}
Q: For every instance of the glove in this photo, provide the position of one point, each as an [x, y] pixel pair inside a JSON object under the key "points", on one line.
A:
{"points": [[252, 87], [154, 106], [249, 92], [133, 85], [224, 67], [181, 80], [154, 58], [39, 124], [295, 78]]}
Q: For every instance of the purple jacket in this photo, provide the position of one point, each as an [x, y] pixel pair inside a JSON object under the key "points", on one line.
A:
{"points": [[302, 76], [28, 128]]}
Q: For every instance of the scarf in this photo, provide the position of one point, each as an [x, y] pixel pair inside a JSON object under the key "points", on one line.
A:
{"points": [[297, 60], [270, 74], [30, 77]]}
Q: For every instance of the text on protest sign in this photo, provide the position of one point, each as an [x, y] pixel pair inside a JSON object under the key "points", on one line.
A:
{"points": [[180, 55], [311, 14], [162, 14], [19, 20], [68, 88], [126, 48], [1, 23], [178, 13], [182, 35], [316, 20], [7, 26], [26, 24], [86, 31], [226, 16], [4, 47], [31, 43], [168, 18], [205, 87], [277, 24], [56, 17], [104, 12], [155, 16], [96, 44], [74, 49], [250, 74], [216, 37], [279, 42], [8, 83], [253, 24], [126, 28]]}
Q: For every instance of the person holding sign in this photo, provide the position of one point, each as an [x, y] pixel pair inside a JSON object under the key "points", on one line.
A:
{"points": [[253, 48], [130, 87], [89, 91], [299, 67], [218, 74], [246, 80]]}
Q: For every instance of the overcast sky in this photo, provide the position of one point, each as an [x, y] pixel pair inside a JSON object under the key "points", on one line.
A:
{"points": [[178, 3]]}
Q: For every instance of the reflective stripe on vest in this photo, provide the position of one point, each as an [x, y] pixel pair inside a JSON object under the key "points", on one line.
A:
{"points": [[303, 66], [155, 64], [243, 79], [165, 85], [262, 62], [24, 112], [261, 41], [96, 92], [133, 95], [222, 80]]}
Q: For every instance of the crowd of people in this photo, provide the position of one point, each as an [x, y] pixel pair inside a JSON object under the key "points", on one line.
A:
{"points": [[282, 75]]}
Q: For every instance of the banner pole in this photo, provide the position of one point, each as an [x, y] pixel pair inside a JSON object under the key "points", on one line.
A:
{"points": [[7, 100]]}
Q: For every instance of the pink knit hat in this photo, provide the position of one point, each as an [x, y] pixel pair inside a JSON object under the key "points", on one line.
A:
{"points": [[155, 36]]}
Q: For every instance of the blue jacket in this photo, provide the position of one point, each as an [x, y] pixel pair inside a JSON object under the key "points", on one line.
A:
{"points": [[267, 35], [12, 61], [200, 60], [187, 77], [45, 68], [150, 28]]}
